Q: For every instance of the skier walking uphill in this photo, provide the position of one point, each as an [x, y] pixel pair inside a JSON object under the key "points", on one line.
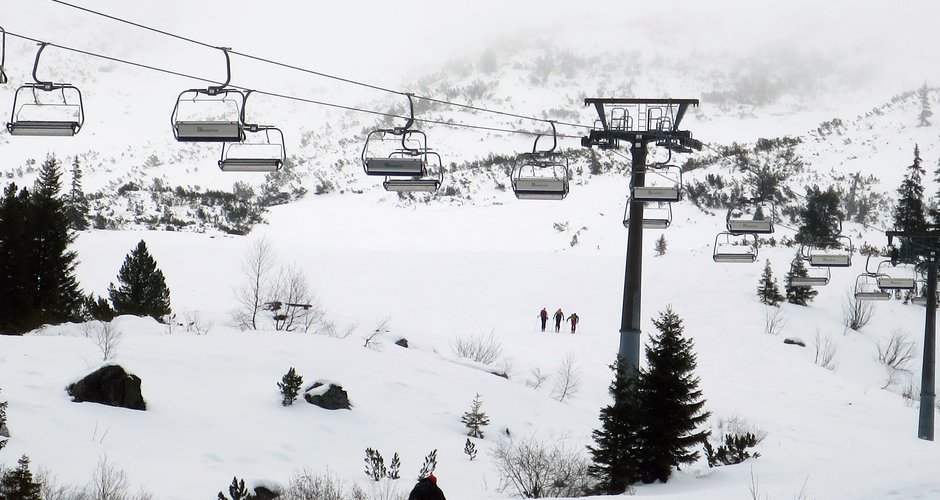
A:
{"points": [[544, 317], [427, 489], [559, 317], [574, 321]]}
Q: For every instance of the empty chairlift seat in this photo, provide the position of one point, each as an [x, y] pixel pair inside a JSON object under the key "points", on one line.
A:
{"points": [[833, 253], [208, 115], [735, 248], [261, 151], [754, 217], [814, 276], [45, 108], [661, 183], [656, 215], [866, 288], [540, 175]]}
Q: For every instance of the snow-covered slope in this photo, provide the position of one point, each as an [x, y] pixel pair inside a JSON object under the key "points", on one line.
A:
{"points": [[475, 262]]}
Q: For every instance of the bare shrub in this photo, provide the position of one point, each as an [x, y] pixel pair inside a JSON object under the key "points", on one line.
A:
{"points": [[109, 483], [567, 380], [308, 486], [736, 425], [825, 351], [195, 324], [538, 378], [774, 320], [373, 340], [485, 349], [856, 313], [910, 395], [299, 307], [896, 355], [105, 335], [529, 468]]}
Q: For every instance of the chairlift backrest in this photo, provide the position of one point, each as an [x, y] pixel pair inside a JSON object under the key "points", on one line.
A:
{"points": [[655, 216], [661, 183], [251, 155], [749, 216]]}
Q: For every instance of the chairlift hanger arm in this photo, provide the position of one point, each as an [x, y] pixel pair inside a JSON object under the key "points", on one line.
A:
{"points": [[213, 90], [43, 84], [3, 55]]}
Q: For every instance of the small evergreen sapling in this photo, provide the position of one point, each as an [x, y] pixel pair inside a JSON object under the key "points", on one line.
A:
{"points": [[375, 465], [660, 245], [767, 290], [475, 419], [394, 468], [430, 463], [733, 451], [470, 449], [798, 295], [290, 387], [236, 491]]}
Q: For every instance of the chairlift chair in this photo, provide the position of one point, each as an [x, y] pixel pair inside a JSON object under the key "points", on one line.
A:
{"points": [[815, 276], [212, 114], [866, 288], [735, 248], [656, 215], [664, 184], [540, 175], [834, 253], [750, 216], [429, 181], [264, 154], [896, 276], [45, 108], [261, 148], [410, 165]]}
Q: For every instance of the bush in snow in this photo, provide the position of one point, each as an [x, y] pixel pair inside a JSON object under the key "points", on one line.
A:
{"points": [[470, 449], [532, 469], [430, 463], [733, 451], [290, 386], [375, 465], [485, 349]]}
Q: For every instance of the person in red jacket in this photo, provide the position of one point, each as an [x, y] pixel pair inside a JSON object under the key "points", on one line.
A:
{"points": [[574, 321], [427, 489], [544, 317]]}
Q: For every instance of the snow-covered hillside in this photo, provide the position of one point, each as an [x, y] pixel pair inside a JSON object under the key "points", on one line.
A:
{"points": [[476, 261]]}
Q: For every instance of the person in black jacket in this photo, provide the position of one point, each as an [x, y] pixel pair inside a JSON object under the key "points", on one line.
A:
{"points": [[427, 489]]}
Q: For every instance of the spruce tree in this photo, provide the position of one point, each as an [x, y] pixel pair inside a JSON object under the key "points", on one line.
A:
{"points": [[767, 289], [925, 113], [475, 419], [290, 387], [614, 455], [798, 295], [669, 395], [57, 298], [142, 290], [909, 214], [17, 280], [76, 204], [820, 218], [18, 484]]}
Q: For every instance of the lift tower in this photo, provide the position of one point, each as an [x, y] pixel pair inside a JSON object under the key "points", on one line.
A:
{"points": [[639, 122], [923, 248]]}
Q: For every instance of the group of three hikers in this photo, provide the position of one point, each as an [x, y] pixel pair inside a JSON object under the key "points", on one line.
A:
{"points": [[559, 317]]}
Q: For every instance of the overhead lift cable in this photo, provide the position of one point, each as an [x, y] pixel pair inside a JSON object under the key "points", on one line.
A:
{"points": [[327, 75], [284, 96]]}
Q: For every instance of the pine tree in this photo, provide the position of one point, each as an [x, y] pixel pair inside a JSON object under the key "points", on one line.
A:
{"points": [[430, 463], [375, 465], [4, 432], [820, 218], [76, 204], [143, 290], [614, 456], [475, 419], [394, 467], [57, 298], [909, 214], [660, 247], [798, 295], [17, 281], [925, 113], [470, 449], [290, 387], [237, 491], [18, 484], [767, 289], [669, 394]]}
